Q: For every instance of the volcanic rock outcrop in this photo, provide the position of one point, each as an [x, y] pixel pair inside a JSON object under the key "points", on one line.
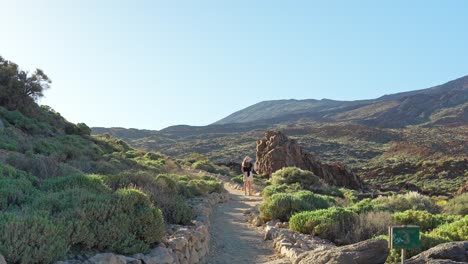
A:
{"points": [[275, 151]]}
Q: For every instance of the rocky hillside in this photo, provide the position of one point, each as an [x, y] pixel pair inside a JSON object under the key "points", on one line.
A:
{"points": [[373, 137], [446, 103]]}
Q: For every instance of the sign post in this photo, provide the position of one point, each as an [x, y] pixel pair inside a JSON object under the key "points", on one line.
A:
{"points": [[403, 237]]}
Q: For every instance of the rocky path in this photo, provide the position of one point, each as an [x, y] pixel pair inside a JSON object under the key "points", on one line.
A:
{"points": [[233, 240]]}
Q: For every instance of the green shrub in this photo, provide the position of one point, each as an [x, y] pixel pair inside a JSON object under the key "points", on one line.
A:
{"points": [[204, 165], [366, 226], [403, 202], [31, 238], [350, 196], [124, 222], [274, 189], [365, 205], [154, 155], [238, 179], [10, 172], [164, 191], [457, 205], [16, 192], [282, 205], [424, 219], [89, 182], [200, 187], [331, 223], [312, 201], [456, 231], [290, 175]]}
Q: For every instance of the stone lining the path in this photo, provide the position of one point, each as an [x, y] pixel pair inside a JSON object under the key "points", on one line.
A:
{"points": [[302, 248], [180, 245]]}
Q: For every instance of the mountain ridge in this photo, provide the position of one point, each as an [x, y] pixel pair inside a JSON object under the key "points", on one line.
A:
{"points": [[449, 94]]}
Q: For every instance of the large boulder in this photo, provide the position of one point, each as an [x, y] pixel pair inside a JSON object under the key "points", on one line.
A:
{"points": [[451, 252], [276, 151], [2, 260], [365, 252]]}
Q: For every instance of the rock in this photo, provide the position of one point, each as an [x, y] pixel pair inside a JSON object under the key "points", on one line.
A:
{"points": [[276, 151], [365, 252], [159, 255], [270, 232], [107, 258], [178, 243], [194, 256], [132, 260], [138, 256], [256, 220], [455, 252], [2, 259]]}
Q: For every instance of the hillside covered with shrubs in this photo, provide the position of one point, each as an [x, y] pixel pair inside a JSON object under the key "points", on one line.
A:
{"points": [[63, 190], [343, 217]]}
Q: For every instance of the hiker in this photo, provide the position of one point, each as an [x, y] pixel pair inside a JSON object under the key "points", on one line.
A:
{"points": [[247, 171]]}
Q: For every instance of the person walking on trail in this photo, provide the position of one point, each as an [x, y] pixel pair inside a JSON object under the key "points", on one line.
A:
{"points": [[247, 171]]}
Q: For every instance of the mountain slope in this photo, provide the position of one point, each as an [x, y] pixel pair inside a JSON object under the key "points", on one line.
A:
{"points": [[396, 110]]}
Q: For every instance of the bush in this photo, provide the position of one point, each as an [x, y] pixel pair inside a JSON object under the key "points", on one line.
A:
{"points": [[10, 172], [365, 205], [290, 175], [124, 222], [283, 205], [89, 182], [204, 165], [164, 191], [16, 192], [410, 200], [283, 188], [154, 156], [31, 238], [274, 189], [333, 223], [457, 205], [423, 219], [37, 165], [200, 187], [238, 179], [456, 231], [368, 225]]}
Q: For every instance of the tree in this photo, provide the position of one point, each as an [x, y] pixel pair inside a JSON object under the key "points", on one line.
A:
{"points": [[20, 90]]}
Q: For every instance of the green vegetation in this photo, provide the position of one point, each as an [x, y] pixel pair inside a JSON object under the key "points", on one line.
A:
{"points": [[62, 189], [407, 201], [424, 219], [284, 205], [457, 205], [290, 175], [325, 223]]}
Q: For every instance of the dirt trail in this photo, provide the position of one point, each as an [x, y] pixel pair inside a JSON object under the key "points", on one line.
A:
{"points": [[235, 241]]}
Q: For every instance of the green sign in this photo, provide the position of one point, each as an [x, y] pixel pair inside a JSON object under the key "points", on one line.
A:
{"points": [[404, 236]]}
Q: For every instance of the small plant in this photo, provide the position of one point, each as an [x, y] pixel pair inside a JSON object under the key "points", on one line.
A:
{"points": [[333, 223], [283, 205], [457, 205], [410, 200], [290, 175]]}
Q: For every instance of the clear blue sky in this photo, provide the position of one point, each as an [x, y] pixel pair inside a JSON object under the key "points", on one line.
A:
{"points": [[152, 64]]}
